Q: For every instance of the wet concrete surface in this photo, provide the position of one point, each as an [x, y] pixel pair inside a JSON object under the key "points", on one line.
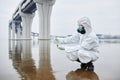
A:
{"points": [[42, 60]]}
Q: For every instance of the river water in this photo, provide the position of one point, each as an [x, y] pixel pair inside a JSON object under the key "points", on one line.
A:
{"points": [[42, 60]]}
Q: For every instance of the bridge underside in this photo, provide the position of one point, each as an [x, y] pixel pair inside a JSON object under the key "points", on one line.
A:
{"points": [[30, 8]]}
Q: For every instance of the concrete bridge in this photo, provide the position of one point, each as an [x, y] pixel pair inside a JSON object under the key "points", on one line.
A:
{"points": [[20, 24]]}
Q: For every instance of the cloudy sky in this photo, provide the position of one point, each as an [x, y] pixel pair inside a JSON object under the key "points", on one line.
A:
{"points": [[104, 16]]}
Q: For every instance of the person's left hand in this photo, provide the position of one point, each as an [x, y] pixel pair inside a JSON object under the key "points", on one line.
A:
{"points": [[61, 47]]}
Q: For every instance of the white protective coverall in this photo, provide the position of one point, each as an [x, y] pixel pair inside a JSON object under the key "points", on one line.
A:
{"points": [[86, 50]]}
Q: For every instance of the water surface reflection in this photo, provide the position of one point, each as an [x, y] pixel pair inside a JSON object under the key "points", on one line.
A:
{"points": [[42, 60], [45, 69], [23, 63], [82, 74]]}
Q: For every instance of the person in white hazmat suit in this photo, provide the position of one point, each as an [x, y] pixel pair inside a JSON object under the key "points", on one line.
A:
{"points": [[86, 51]]}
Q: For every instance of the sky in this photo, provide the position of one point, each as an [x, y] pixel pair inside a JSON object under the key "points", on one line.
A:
{"points": [[104, 16]]}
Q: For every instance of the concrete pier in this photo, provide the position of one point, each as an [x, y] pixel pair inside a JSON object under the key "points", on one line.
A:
{"points": [[10, 31], [26, 24], [44, 10], [13, 30], [19, 31]]}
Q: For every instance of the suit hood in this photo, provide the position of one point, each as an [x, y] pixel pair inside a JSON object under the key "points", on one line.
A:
{"points": [[86, 23]]}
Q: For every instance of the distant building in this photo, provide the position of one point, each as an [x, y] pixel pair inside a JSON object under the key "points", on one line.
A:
{"points": [[104, 36]]}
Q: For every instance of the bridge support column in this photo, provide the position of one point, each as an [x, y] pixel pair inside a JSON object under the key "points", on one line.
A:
{"points": [[19, 31], [10, 29], [44, 10], [13, 30], [26, 25]]}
